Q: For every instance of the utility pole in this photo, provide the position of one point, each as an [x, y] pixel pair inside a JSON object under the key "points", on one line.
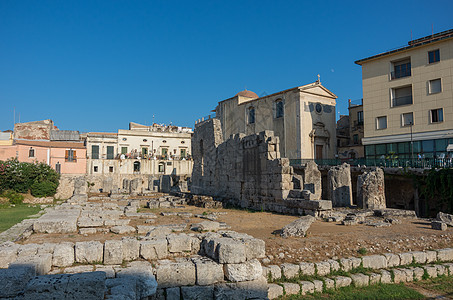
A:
{"points": [[412, 145]]}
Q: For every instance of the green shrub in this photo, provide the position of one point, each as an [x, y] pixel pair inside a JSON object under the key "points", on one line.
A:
{"points": [[43, 189], [13, 197], [362, 251]]}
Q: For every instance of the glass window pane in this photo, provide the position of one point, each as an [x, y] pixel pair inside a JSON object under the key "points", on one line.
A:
{"points": [[428, 146], [404, 147], [441, 145], [392, 148], [435, 86], [380, 149], [417, 146], [369, 150]]}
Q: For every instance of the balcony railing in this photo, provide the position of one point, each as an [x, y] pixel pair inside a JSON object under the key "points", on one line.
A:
{"points": [[405, 100], [401, 73], [425, 163]]}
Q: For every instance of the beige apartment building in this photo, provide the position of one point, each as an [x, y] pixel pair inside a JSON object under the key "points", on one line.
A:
{"points": [[408, 96], [350, 129], [302, 117]]}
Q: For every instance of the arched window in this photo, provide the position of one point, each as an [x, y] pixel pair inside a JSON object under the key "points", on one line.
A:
{"points": [[251, 115], [279, 108], [136, 166], [31, 152]]}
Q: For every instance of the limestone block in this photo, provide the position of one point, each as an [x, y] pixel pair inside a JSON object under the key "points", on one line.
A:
{"points": [[445, 254], [418, 273], [12, 280], [79, 269], [63, 255], [431, 270], [131, 248], [230, 251], [173, 293], [386, 276], [438, 225], [159, 231], [67, 286], [375, 278], [274, 291], [307, 268], [154, 249], [431, 256], [123, 229], [247, 271], [445, 218], [374, 262], [46, 248], [334, 265], [208, 226], [113, 252], [90, 222], [360, 279], [86, 231], [340, 187], [291, 288], [399, 276], [89, 252], [8, 252], [275, 271], [393, 260], [41, 263], [27, 250], [255, 248], [371, 191], [406, 258], [342, 281], [329, 283], [441, 270], [197, 292], [409, 274], [119, 222], [449, 267], [108, 270], [266, 271], [419, 257], [63, 222], [307, 287], [255, 289], [298, 228], [312, 179], [322, 268], [208, 272], [179, 243], [290, 270], [143, 272], [318, 284], [170, 274]]}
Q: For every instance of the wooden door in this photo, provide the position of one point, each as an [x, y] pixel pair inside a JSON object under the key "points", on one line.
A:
{"points": [[318, 152]]}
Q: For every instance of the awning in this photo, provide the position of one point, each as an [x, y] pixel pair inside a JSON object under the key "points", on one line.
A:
{"points": [[450, 147]]}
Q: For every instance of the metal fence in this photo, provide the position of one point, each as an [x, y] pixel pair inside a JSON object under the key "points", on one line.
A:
{"points": [[424, 163]]}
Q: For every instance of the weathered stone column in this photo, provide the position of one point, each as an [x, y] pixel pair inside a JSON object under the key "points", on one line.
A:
{"points": [[370, 190], [312, 180], [339, 184]]}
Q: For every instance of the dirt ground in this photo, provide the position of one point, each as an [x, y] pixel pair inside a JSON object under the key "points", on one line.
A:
{"points": [[324, 240]]}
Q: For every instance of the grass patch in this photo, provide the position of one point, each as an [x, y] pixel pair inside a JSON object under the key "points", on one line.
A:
{"points": [[380, 291], [442, 284], [12, 215]]}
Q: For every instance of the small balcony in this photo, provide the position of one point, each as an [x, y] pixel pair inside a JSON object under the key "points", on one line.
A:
{"points": [[405, 100], [400, 73]]}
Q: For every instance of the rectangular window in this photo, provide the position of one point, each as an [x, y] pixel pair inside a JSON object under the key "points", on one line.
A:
{"points": [[433, 56], [111, 169], [182, 153], [70, 155], [437, 115], [402, 96], [360, 117], [110, 152], [407, 119], [123, 150], [279, 109], [165, 152], [401, 68], [251, 115], [31, 152], [434, 86], [381, 149], [355, 139], [95, 152], [428, 146], [370, 150], [381, 122], [144, 151], [95, 169], [404, 147]]}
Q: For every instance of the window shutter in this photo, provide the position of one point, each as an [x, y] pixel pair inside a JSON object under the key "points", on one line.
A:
{"points": [[66, 154], [74, 155]]}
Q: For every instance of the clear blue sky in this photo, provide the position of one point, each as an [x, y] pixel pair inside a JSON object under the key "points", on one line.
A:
{"points": [[97, 65]]}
